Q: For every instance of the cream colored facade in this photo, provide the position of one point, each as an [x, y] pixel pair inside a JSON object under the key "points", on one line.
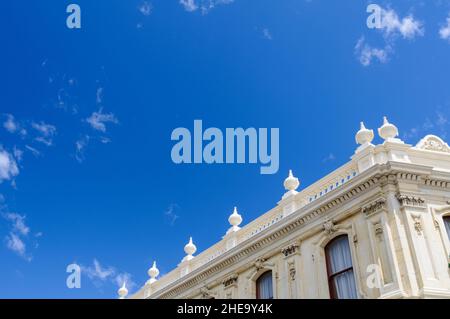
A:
{"points": [[390, 200]]}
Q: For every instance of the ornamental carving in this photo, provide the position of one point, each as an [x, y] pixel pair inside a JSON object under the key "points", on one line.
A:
{"points": [[289, 250], [329, 227], [374, 207], [232, 280], [206, 293], [378, 229], [417, 225], [409, 200], [259, 263], [433, 143], [292, 271]]}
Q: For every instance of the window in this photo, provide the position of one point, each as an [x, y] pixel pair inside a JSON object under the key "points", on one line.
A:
{"points": [[264, 288], [447, 225], [341, 279]]}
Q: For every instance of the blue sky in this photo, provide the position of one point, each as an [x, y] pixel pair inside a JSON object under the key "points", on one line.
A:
{"points": [[86, 116]]}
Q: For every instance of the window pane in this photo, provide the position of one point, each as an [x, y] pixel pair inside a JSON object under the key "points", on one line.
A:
{"points": [[344, 285], [339, 255], [264, 286], [447, 225]]}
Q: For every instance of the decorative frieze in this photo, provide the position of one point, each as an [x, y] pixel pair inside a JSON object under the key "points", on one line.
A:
{"points": [[409, 200], [374, 207]]}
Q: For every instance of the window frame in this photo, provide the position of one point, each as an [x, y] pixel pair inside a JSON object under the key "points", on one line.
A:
{"points": [[330, 275], [267, 273]]}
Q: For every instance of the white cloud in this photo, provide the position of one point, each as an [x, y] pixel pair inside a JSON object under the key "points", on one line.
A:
{"points": [[266, 34], [34, 151], [407, 27], [46, 132], [204, 5], [170, 214], [18, 233], [392, 27], [99, 95], [444, 31], [98, 119], [145, 8], [330, 157], [366, 54], [8, 166], [96, 271], [100, 275], [12, 126], [80, 148], [189, 5], [17, 223], [16, 244]]}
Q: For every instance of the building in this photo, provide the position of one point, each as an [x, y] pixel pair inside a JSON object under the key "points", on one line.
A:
{"points": [[377, 227]]}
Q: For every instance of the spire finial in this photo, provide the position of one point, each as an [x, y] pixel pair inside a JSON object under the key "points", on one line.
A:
{"points": [[123, 291], [235, 220], [364, 135], [291, 183], [387, 131]]}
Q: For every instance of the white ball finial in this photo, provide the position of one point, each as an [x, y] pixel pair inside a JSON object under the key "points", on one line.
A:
{"points": [[291, 183], [364, 135], [189, 249], [153, 272], [388, 130], [235, 220], [123, 291]]}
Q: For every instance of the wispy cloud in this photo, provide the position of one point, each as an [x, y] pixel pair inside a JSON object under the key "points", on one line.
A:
{"points": [[17, 223], [444, 31], [12, 126], [18, 233], [8, 165], [407, 27], [80, 148], [392, 27], [366, 54], [170, 214], [46, 133], [438, 124], [203, 5], [17, 245], [329, 158], [100, 275], [267, 34], [98, 119], [145, 8]]}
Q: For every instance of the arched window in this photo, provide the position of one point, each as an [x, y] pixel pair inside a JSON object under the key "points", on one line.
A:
{"points": [[447, 225], [341, 279], [264, 287]]}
